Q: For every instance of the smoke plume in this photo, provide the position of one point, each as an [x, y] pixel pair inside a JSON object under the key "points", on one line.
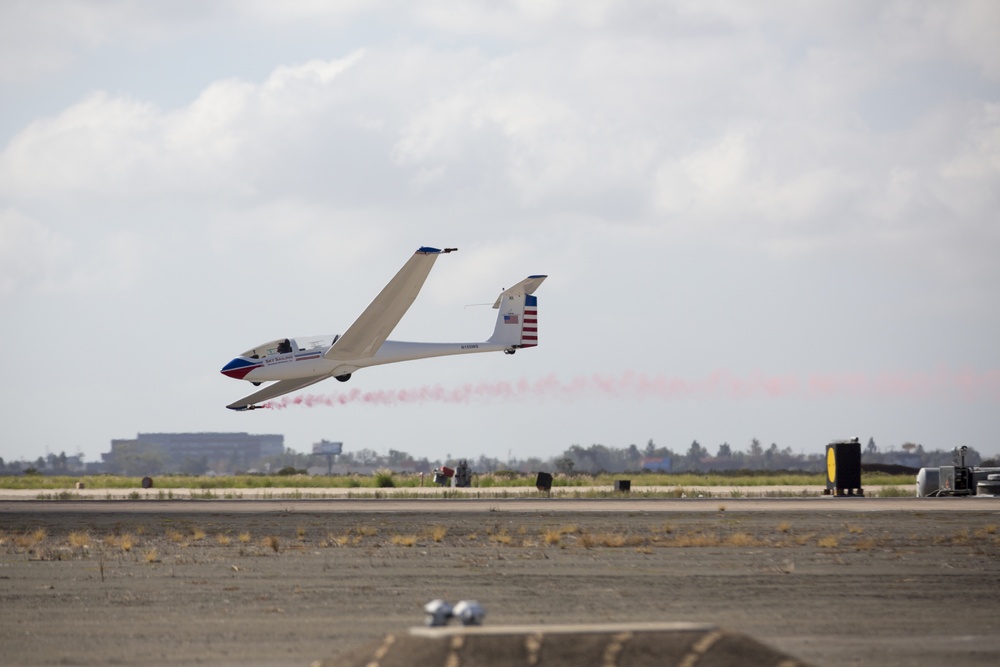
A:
{"points": [[942, 384]]}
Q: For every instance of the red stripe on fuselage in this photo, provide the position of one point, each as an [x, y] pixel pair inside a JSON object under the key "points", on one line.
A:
{"points": [[240, 373]]}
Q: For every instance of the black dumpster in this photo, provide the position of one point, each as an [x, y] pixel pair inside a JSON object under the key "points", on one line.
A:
{"points": [[544, 481], [843, 468]]}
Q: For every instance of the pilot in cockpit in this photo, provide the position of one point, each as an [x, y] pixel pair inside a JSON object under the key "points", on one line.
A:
{"points": [[284, 347]]}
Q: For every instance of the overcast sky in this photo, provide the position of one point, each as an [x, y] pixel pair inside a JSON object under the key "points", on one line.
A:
{"points": [[772, 220]]}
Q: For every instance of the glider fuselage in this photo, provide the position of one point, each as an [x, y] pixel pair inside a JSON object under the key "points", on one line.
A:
{"points": [[309, 361]]}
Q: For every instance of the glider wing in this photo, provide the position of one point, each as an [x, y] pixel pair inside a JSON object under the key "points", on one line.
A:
{"points": [[363, 338], [274, 390]]}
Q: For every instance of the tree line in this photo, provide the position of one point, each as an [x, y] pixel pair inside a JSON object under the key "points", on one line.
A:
{"points": [[596, 458]]}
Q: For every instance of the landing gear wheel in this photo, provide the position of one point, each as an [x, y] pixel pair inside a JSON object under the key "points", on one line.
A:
{"points": [[343, 378], [147, 482]]}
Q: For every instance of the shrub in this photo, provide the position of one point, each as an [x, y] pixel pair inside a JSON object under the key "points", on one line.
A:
{"points": [[383, 479]]}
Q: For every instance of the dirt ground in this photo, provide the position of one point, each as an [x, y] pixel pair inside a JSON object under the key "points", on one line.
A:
{"points": [[88, 584]]}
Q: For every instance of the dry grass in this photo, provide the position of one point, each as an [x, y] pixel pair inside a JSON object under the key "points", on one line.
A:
{"points": [[718, 533], [502, 538], [827, 542], [742, 540], [590, 540], [985, 531], [699, 539], [553, 536], [866, 544], [30, 540], [79, 539], [346, 540], [959, 537], [693, 539]]}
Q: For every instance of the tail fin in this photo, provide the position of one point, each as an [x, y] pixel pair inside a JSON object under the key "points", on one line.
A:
{"points": [[517, 321]]}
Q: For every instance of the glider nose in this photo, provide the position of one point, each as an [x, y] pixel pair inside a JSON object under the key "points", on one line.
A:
{"points": [[238, 368]]}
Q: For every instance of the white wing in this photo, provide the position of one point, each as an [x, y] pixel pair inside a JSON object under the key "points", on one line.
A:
{"points": [[363, 338], [273, 390]]}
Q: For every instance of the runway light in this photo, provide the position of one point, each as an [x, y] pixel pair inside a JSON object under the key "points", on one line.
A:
{"points": [[469, 612], [437, 612]]}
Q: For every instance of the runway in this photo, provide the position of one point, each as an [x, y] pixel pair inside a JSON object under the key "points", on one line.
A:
{"points": [[520, 504], [287, 581]]}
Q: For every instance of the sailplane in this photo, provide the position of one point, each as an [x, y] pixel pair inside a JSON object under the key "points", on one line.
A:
{"points": [[290, 364]]}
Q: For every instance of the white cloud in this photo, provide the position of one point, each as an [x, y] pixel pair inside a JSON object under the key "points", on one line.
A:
{"points": [[723, 130], [111, 145], [38, 39], [37, 259], [30, 253]]}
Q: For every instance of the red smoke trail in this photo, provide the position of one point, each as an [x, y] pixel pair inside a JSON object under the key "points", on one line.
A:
{"points": [[941, 383]]}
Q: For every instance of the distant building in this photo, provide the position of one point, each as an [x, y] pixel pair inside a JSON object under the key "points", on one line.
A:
{"points": [[194, 453], [657, 463]]}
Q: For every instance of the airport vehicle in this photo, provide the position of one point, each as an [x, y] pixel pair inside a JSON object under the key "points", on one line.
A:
{"points": [[958, 479], [294, 363]]}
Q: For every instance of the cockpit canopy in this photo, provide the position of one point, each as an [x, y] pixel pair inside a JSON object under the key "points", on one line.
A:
{"points": [[288, 345]]}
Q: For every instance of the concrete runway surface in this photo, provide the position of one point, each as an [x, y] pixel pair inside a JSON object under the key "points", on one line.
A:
{"points": [[462, 505], [828, 581]]}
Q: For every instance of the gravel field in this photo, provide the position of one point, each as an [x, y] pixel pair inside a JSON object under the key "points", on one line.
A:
{"points": [[830, 581]]}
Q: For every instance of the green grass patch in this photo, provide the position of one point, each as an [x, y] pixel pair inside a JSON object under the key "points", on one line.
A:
{"points": [[209, 486]]}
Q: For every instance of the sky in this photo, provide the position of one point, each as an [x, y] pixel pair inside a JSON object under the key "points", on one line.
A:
{"points": [[771, 220]]}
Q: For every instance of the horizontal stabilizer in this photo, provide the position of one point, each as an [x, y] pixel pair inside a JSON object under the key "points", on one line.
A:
{"points": [[526, 286]]}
